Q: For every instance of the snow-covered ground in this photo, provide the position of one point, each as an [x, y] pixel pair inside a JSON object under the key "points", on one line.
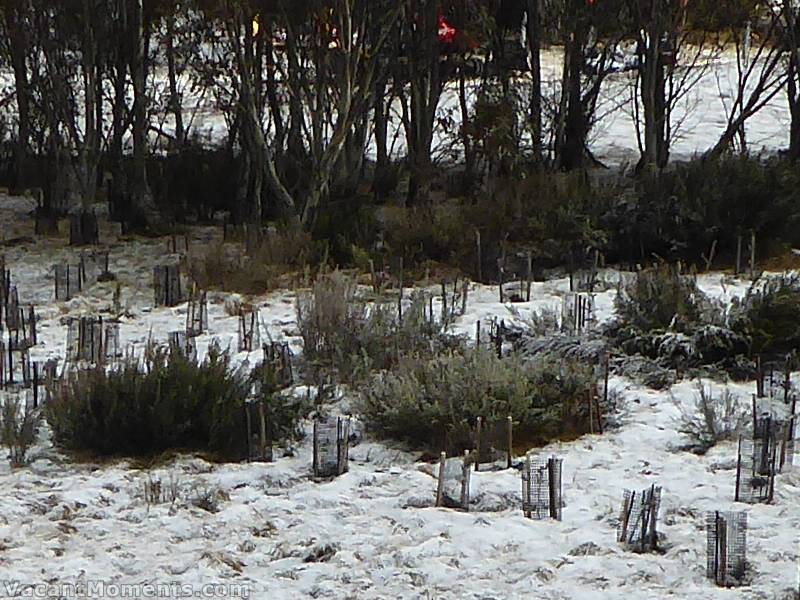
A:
{"points": [[67, 522]]}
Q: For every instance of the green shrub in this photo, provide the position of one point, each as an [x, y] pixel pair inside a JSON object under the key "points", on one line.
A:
{"points": [[17, 429], [434, 402], [768, 315], [681, 211], [344, 332], [659, 298], [168, 403]]}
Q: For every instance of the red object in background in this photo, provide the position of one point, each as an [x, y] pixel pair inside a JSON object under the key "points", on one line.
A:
{"points": [[447, 34]]}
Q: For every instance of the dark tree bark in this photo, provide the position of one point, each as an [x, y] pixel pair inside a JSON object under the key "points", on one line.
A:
{"points": [[426, 83], [793, 78], [18, 41], [141, 194], [534, 31]]}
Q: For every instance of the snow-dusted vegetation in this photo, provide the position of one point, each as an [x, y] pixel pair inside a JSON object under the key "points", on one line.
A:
{"points": [[400, 299]]}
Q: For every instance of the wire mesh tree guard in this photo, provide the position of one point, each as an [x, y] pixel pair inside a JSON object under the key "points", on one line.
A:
{"points": [[92, 340], [167, 285], [542, 496], [182, 345], [197, 315], [755, 470], [331, 446], [494, 439], [726, 547], [278, 358], [638, 520], [453, 481], [577, 313], [249, 330], [259, 438]]}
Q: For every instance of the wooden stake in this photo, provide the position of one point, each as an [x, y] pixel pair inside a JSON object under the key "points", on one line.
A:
{"points": [[479, 257], [440, 484], [478, 444], [510, 441], [738, 255]]}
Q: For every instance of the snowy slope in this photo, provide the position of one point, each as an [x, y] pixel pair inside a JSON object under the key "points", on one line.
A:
{"points": [[62, 521]]}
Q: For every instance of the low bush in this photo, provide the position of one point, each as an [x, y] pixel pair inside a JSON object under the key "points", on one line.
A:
{"points": [[711, 419], [679, 212], [272, 262], [168, 403], [17, 429], [768, 315], [659, 298], [344, 332], [433, 403]]}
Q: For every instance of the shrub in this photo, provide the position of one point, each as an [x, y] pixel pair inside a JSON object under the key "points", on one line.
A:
{"points": [[17, 429], [659, 298], [679, 212], [271, 263], [711, 419], [168, 403], [344, 332], [768, 315], [434, 402]]}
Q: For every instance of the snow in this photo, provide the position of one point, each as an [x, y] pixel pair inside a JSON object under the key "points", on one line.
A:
{"points": [[64, 521]]}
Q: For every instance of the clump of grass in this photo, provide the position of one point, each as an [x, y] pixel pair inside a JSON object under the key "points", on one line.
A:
{"points": [[275, 260], [711, 419], [18, 428], [345, 333]]}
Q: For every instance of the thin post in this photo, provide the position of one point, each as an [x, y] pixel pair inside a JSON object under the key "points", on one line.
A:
{"points": [[738, 255], [598, 410], [591, 410], [478, 333], [551, 478], [249, 440], [465, 482], [479, 257], [263, 429], [464, 292], [653, 518], [372, 275], [755, 415], [440, 483], [510, 441], [526, 487], [738, 470], [445, 318], [315, 451], [528, 276], [400, 295], [752, 254], [478, 444]]}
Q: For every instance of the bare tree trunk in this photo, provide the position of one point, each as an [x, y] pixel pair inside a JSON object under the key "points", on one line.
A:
{"points": [[175, 102], [793, 77], [141, 194], [575, 125], [534, 31], [380, 110], [653, 93], [118, 193], [18, 46], [425, 89], [90, 148]]}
